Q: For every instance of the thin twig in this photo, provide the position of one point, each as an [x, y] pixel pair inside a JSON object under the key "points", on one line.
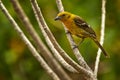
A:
{"points": [[102, 36], [72, 43], [28, 43], [38, 13], [46, 54]]}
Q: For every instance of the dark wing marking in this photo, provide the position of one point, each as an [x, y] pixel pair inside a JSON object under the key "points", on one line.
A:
{"points": [[83, 25]]}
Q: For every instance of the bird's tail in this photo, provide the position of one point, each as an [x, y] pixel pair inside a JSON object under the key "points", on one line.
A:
{"points": [[100, 46]]}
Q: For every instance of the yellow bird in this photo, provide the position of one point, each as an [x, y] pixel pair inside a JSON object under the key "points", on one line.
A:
{"points": [[77, 26]]}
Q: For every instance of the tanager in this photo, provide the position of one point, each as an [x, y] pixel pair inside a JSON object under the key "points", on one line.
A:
{"points": [[77, 26]]}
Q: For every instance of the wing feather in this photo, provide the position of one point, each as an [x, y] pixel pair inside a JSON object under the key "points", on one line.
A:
{"points": [[83, 25]]}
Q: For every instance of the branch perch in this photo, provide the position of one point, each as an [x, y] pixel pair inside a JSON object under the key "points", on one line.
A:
{"points": [[54, 42], [71, 41], [57, 47]]}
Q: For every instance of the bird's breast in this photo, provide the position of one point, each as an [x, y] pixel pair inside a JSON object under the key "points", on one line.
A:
{"points": [[74, 29]]}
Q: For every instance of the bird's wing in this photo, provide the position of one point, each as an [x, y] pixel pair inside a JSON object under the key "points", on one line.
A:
{"points": [[83, 25]]}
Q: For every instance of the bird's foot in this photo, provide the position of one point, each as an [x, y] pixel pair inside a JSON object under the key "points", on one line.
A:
{"points": [[75, 46], [67, 32]]}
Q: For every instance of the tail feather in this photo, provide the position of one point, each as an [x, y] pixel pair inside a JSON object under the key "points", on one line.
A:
{"points": [[100, 46]]}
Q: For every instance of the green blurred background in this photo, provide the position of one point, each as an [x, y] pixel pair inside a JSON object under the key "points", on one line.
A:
{"points": [[17, 62]]}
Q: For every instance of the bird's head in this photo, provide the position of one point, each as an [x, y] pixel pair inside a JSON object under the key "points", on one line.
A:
{"points": [[63, 16]]}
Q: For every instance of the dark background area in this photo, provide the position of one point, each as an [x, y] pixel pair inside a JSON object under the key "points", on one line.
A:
{"points": [[17, 62]]}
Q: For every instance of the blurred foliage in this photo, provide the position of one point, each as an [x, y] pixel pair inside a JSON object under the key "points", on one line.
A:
{"points": [[16, 61]]}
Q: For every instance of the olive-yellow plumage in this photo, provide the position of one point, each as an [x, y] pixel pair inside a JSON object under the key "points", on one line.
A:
{"points": [[77, 26]]}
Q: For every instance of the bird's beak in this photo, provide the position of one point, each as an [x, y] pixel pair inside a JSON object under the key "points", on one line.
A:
{"points": [[57, 18]]}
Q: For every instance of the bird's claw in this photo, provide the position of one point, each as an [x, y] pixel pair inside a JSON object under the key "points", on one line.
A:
{"points": [[67, 32], [75, 46]]}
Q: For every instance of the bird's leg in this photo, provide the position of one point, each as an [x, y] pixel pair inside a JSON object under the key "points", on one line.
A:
{"points": [[80, 42], [67, 32], [76, 46]]}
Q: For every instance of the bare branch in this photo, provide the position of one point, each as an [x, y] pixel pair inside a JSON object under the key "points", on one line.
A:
{"points": [[27, 42], [58, 48], [40, 19], [46, 54], [102, 36], [72, 43]]}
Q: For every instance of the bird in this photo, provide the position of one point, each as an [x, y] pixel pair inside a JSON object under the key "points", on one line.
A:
{"points": [[79, 27]]}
